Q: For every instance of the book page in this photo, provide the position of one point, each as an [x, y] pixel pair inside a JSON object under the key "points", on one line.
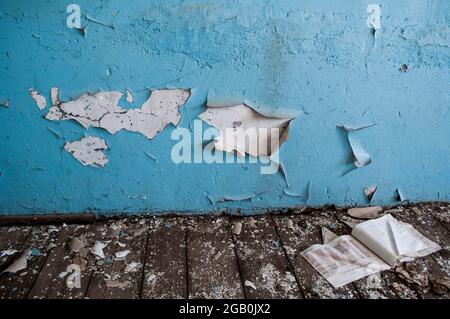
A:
{"points": [[378, 237], [343, 261], [393, 241]]}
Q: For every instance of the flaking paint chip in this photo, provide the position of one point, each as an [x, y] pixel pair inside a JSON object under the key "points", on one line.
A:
{"points": [[88, 151], [97, 249], [102, 110], [249, 284], [40, 100], [237, 228]]}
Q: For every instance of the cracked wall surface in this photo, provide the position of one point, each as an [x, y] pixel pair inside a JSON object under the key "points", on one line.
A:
{"points": [[315, 62]]}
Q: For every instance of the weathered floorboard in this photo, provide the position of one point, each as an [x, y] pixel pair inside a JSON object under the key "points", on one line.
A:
{"points": [[440, 211], [52, 280], [263, 262], [213, 270], [165, 266], [118, 277], [18, 285]]}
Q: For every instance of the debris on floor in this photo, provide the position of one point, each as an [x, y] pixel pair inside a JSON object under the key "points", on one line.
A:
{"points": [[441, 286], [365, 212], [20, 263], [7, 252], [97, 249], [237, 228], [248, 283], [76, 245]]}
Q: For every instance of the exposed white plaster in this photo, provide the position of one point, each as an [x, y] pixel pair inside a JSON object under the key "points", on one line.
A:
{"points": [[54, 92], [40, 100], [89, 151], [102, 110], [249, 132], [130, 98]]}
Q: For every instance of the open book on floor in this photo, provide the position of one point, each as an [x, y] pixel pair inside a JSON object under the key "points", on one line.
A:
{"points": [[373, 246]]}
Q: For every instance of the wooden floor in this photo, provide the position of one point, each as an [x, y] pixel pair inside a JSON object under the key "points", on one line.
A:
{"points": [[200, 257]]}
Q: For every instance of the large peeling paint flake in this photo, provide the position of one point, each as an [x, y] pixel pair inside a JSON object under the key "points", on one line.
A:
{"points": [[102, 110], [246, 131], [40, 100], [88, 151]]}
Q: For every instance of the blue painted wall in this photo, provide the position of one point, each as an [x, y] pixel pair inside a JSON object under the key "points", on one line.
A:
{"points": [[314, 57]]}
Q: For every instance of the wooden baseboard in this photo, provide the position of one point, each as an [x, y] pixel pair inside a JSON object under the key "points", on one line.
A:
{"points": [[53, 219]]}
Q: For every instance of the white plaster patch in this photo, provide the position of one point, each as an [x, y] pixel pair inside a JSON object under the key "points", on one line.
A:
{"points": [[252, 132], [102, 110], [130, 98], [40, 100], [54, 92], [88, 151]]}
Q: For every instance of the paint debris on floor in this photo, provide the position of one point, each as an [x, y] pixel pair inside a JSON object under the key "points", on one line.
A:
{"points": [[219, 257]]}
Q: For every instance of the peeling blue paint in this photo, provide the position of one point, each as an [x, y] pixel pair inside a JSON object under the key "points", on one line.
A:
{"points": [[317, 58]]}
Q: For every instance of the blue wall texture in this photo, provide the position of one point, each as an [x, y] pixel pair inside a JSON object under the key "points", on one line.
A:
{"points": [[316, 58]]}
